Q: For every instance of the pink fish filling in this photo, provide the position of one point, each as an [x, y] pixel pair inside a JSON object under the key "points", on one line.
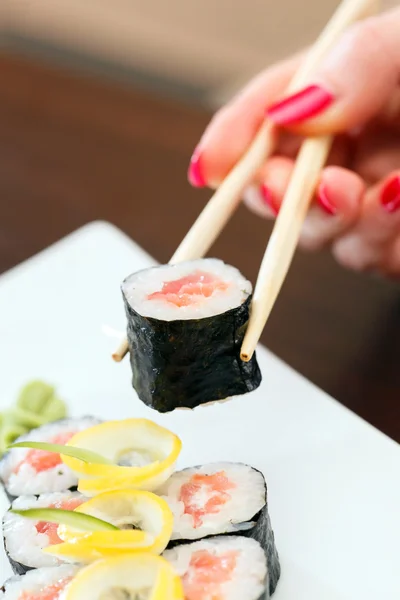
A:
{"points": [[50, 529], [189, 290], [40, 460], [207, 573], [50, 592], [213, 487]]}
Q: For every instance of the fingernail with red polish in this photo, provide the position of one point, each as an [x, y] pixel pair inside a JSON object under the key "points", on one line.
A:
{"points": [[325, 202], [303, 105], [195, 174], [390, 195], [269, 199]]}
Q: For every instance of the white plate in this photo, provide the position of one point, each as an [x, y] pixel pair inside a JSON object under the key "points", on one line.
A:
{"points": [[334, 486]]}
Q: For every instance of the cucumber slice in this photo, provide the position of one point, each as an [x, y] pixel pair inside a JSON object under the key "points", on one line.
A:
{"points": [[76, 520], [86, 456]]}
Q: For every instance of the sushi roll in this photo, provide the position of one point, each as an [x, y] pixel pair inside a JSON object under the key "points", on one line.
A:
{"points": [[46, 583], [222, 499], [186, 324], [26, 471], [226, 568], [25, 539]]}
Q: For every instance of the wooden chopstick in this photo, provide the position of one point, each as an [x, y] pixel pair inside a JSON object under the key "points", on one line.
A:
{"points": [[285, 236], [227, 197]]}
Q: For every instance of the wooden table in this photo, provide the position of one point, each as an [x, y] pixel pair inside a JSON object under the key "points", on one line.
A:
{"points": [[75, 149]]}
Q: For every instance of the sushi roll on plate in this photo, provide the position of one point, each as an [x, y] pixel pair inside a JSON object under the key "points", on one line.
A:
{"points": [[25, 539], [26, 471], [46, 583], [186, 324], [225, 567], [222, 499]]}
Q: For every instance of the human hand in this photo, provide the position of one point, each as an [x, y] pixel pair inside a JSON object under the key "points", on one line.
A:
{"points": [[356, 96]]}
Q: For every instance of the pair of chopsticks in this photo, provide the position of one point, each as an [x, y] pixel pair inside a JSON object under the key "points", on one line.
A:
{"points": [[309, 163]]}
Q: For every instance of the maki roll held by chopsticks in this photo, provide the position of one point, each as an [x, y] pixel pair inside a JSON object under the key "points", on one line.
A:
{"points": [[186, 324]]}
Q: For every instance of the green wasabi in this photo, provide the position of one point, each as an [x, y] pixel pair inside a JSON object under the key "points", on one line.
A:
{"points": [[36, 405], [9, 431], [40, 398]]}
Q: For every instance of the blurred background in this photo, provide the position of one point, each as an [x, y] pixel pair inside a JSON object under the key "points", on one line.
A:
{"points": [[201, 50], [101, 105]]}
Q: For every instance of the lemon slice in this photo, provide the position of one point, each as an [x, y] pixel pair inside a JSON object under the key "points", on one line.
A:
{"points": [[139, 575], [144, 523], [143, 456]]}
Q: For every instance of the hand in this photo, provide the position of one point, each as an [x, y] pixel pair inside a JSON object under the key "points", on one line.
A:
{"points": [[354, 95]]}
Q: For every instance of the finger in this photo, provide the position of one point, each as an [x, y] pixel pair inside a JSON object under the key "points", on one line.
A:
{"points": [[265, 196], [258, 203], [354, 83], [233, 128], [366, 245], [336, 208]]}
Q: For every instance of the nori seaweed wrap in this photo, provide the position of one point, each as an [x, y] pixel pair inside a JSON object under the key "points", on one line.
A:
{"points": [[185, 344], [17, 568]]}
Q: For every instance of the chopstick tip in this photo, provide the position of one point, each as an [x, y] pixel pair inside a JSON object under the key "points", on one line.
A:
{"points": [[121, 351], [246, 356]]}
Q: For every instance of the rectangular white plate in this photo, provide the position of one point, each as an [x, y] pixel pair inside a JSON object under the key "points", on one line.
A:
{"points": [[333, 480]]}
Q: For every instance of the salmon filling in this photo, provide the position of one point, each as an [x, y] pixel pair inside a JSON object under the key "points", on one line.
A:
{"points": [[40, 460], [205, 494], [207, 573], [51, 592], [190, 290], [50, 529]]}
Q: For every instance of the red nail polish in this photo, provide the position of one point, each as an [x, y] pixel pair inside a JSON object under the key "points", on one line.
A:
{"points": [[303, 105], [390, 195], [324, 201], [269, 199], [195, 174]]}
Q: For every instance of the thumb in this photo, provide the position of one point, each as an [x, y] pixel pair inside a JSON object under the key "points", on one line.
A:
{"points": [[354, 83]]}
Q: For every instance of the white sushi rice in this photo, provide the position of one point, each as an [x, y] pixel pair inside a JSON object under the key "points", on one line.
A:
{"points": [[27, 481], [245, 500], [138, 286], [248, 580], [23, 542], [37, 581]]}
